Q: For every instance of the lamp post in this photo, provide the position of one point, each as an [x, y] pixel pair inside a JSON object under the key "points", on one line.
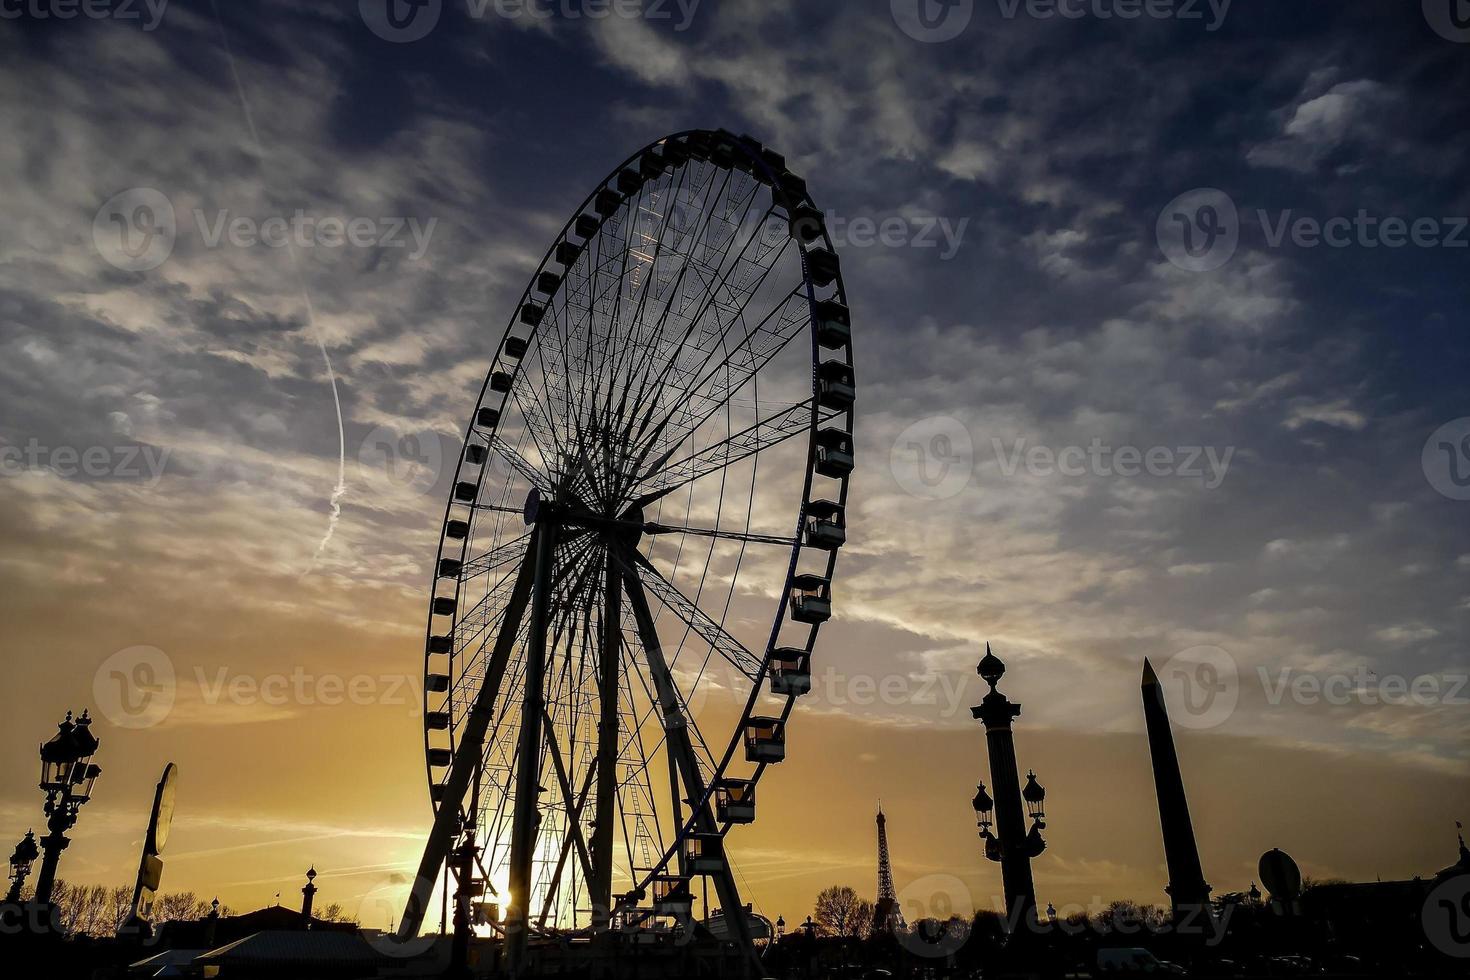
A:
{"points": [[67, 777], [1010, 845], [25, 855]]}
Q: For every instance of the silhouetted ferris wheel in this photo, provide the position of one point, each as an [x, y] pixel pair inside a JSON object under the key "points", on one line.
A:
{"points": [[638, 550]]}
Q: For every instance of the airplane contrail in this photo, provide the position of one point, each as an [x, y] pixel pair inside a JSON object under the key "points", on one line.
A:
{"points": [[340, 489]]}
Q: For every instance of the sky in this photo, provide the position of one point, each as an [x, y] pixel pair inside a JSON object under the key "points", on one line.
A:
{"points": [[1159, 331]]}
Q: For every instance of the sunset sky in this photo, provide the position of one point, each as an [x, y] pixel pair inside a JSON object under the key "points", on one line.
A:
{"points": [[1080, 438]]}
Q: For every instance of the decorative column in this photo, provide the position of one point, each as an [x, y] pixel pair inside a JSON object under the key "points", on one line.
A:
{"points": [[1011, 846], [308, 897]]}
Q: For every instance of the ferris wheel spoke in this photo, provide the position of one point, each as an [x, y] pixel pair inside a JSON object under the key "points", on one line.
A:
{"points": [[741, 364], [640, 368], [748, 537], [467, 757], [662, 381], [665, 477], [647, 381], [496, 558], [689, 613], [520, 464]]}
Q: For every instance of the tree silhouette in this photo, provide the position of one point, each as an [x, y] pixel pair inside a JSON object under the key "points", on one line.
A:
{"points": [[840, 912]]}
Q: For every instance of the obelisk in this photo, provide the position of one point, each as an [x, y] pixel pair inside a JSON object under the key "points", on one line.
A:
{"points": [[1187, 888]]}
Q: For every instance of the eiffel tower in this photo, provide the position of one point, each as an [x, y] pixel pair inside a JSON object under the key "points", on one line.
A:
{"points": [[887, 916]]}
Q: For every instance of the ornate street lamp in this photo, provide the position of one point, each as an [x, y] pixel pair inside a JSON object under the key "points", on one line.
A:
{"points": [[67, 778], [780, 926], [1011, 845], [1034, 796], [25, 855]]}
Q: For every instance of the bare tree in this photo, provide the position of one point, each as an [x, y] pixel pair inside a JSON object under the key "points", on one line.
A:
{"points": [[179, 907], [840, 912], [334, 913]]}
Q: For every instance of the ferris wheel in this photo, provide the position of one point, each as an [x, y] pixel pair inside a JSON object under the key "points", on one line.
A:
{"points": [[638, 550]]}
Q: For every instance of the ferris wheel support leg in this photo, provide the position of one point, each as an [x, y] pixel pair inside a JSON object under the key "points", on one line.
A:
{"points": [[528, 769], [609, 677], [467, 759], [682, 752]]}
